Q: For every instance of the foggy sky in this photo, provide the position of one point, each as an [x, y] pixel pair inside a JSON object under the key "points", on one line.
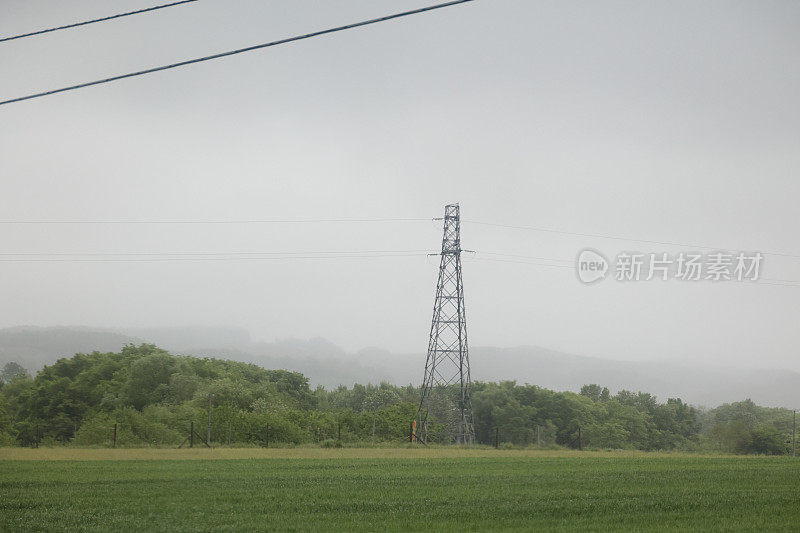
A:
{"points": [[671, 121]]}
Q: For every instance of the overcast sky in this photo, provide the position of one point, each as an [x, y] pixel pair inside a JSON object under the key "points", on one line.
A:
{"points": [[669, 121]]}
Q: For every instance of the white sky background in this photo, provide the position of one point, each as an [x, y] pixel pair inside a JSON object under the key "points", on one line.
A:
{"points": [[674, 121]]}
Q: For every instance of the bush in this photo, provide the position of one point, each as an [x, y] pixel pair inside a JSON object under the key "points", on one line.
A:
{"points": [[331, 443], [767, 439], [133, 429], [6, 439], [96, 431]]}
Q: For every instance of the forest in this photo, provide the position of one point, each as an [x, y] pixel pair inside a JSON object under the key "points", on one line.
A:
{"points": [[152, 398]]}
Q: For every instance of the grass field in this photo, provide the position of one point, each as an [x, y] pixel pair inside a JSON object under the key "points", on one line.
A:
{"points": [[393, 490]]}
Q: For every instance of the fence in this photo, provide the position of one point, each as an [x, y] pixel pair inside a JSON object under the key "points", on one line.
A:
{"points": [[117, 434]]}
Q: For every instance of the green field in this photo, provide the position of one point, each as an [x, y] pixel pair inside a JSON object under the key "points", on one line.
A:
{"points": [[393, 490]]}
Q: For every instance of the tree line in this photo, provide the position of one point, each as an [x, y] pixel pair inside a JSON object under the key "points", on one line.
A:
{"points": [[153, 397]]}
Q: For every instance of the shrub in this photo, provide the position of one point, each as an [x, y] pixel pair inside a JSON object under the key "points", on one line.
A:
{"points": [[6, 439], [133, 429], [766, 439]]}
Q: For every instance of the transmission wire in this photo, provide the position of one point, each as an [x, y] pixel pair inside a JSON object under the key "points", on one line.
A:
{"points": [[103, 19], [238, 51]]}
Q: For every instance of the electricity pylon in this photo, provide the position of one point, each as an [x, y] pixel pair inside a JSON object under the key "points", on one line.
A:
{"points": [[445, 407]]}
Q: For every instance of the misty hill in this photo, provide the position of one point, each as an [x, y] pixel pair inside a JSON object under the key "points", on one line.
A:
{"points": [[699, 385], [328, 365], [188, 338], [34, 347]]}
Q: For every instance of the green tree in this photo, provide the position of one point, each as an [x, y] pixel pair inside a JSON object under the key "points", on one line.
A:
{"points": [[12, 371], [595, 392], [149, 378], [767, 439]]}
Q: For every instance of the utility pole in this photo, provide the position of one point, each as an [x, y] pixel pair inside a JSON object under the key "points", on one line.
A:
{"points": [[208, 437], [794, 429], [538, 438], [445, 407], [375, 410]]}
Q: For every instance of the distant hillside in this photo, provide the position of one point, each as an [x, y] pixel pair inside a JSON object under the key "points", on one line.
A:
{"points": [[187, 338], [699, 384], [34, 347], [328, 365]]}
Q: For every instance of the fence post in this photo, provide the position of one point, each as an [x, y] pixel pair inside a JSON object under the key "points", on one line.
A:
{"points": [[191, 435], [496, 436], [208, 433], [115, 435]]}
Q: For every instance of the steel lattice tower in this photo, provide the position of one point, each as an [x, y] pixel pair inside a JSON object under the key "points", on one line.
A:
{"points": [[445, 407]]}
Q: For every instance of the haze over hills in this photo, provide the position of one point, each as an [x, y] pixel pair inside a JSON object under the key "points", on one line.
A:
{"points": [[34, 347], [327, 365]]}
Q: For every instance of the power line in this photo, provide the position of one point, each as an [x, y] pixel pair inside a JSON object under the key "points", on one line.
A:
{"points": [[238, 51], [775, 284], [233, 222], [569, 261], [371, 220], [762, 281], [566, 263], [500, 259], [341, 220], [135, 257], [84, 23], [202, 259], [499, 256], [616, 237], [494, 260], [121, 254], [346, 220]]}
